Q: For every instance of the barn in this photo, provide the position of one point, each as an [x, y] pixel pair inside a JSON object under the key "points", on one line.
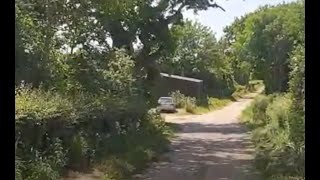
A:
{"points": [[169, 83]]}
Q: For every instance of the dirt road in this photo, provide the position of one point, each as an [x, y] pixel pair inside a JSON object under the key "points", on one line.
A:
{"points": [[212, 146]]}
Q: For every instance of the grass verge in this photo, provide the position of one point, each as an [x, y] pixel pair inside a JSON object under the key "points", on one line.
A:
{"points": [[278, 153], [214, 104]]}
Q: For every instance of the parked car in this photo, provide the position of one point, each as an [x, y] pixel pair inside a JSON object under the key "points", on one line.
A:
{"points": [[166, 104]]}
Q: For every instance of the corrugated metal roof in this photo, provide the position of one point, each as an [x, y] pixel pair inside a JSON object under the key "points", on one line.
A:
{"points": [[181, 77]]}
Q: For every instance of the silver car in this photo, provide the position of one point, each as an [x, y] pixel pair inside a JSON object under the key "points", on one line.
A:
{"points": [[166, 104]]}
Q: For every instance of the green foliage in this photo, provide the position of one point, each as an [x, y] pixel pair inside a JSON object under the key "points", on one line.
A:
{"points": [[18, 168], [40, 105], [190, 105], [194, 106], [215, 103], [278, 112], [212, 104], [197, 55], [239, 91], [260, 106], [137, 148], [255, 85], [270, 118], [54, 132], [40, 169], [78, 153], [44, 165], [252, 86], [179, 99], [278, 122], [297, 90], [182, 101], [84, 105], [263, 40], [45, 31], [297, 77]]}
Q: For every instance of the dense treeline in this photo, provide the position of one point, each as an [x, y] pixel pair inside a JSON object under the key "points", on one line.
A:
{"points": [[199, 55], [85, 72], [271, 41], [84, 75], [89, 30], [261, 43]]}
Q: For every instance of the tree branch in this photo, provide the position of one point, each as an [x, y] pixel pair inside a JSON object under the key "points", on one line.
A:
{"points": [[215, 5]]}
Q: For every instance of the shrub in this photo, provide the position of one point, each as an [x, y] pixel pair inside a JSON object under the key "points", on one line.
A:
{"points": [[278, 111], [200, 105], [179, 99], [239, 91], [41, 169], [138, 148], [191, 105], [40, 105], [254, 85], [116, 168], [78, 153], [215, 103], [18, 168], [277, 154], [259, 108], [58, 132], [182, 101], [297, 89]]}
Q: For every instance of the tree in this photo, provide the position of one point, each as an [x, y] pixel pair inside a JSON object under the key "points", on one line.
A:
{"points": [[141, 27], [198, 55], [265, 38], [146, 21]]}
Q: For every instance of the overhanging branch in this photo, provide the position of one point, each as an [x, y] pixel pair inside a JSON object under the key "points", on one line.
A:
{"points": [[215, 5]]}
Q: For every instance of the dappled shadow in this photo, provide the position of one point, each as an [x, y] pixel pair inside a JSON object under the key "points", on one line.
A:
{"points": [[206, 152], [173, 126], [192, 127]]}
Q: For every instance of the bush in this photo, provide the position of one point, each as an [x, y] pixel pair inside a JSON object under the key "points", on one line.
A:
{"points": [[41, 169], [252, 86], [259, 108], [138, 148], [179, 99], [215, 103], [78, 153], [277, 154], [190, 105], [182, 101], [55, 132], [18, 168], [280, 138], [297, 89], [239, 91], [278, 111], [40, 105], [198, 106]]}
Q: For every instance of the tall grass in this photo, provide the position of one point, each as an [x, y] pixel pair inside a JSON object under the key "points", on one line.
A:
{"points": [[277, 156], [252, 86], [198, 106]]}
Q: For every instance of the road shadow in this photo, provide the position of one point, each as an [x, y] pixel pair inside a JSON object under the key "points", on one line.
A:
{"points": [[226, 156], [174, 126], [192, 127]]}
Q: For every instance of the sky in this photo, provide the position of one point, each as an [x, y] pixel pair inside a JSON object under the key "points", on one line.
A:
{"points": [[217, 19]]}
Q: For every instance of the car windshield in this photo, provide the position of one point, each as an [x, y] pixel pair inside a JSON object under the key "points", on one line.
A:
{"points": [[165, 100]]}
